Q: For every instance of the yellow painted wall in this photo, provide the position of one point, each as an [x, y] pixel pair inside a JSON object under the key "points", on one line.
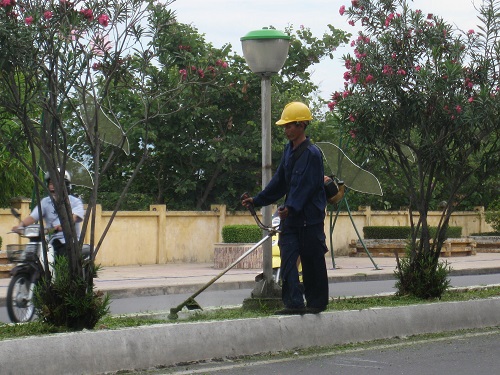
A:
{"points": [[160, 236]]}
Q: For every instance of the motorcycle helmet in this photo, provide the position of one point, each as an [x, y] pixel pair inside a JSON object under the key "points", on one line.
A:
{"points": [[67, 179], [294, 112]]}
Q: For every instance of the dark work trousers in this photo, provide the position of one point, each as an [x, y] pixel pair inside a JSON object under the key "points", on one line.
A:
{"points": [[308, 242], [60, 248]]}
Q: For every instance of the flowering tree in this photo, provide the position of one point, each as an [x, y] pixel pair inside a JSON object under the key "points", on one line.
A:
{"points": [[65, 69], [425, 99]]}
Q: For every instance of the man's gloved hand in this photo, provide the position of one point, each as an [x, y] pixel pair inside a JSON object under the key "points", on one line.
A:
{"points": [[283, 212], [247, 201]]}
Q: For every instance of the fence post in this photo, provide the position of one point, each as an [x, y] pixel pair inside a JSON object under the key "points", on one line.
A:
{"points": [[220, 211], [161, 230]]}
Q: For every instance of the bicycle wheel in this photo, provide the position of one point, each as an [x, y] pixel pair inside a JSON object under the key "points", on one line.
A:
{"points": [[19, 304]]}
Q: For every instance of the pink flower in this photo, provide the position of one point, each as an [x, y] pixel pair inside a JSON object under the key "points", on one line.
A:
{"points": [[369, 78], [458, 109], [103, 20], [389, 19], [345, 94], [87, 14], [347, 76], [28, 20], [358, 67], [336, 96], [352, 133], [471, 99], [470, 32], [342, 10], [201, 73], [332, 105], [417, 68], [47, 15], [74, 34], [352, 118], [355, 3], [6, 3], [401, 72], [359, 55], [387, 70], [429, 16], [351, 23], [183, 73], [221, 63]]}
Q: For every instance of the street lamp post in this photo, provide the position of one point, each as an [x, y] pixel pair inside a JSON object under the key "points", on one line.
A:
{"points": [[265, 52]]}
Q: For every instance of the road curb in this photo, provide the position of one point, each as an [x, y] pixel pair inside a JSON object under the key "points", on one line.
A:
{"points": [[169, 344]]}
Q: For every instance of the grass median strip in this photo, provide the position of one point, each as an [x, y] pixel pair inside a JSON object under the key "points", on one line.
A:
{"points": [[11, 331]]}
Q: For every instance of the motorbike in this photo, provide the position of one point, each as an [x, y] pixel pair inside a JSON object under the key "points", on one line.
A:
{"points": [[28, 271], [29, 268]]}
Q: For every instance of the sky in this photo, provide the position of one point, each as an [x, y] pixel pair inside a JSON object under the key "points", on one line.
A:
{"points": [[226, 21]]}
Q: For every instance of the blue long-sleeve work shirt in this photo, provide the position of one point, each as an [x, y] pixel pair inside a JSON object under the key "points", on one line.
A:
{"points": [[303, 185]]}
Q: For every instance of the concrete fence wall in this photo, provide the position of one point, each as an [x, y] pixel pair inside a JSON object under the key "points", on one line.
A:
{"points": [[160, 236]]}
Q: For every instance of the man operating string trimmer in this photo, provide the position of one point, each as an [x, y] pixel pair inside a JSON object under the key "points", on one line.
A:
{"points": [[300, 178]]}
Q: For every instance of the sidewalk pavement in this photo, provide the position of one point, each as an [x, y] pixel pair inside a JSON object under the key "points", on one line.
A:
{"points": [[177, 278], [146, 347]]}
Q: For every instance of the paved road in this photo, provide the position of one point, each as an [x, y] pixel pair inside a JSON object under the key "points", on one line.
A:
{"points": [[464, 354], [235, 297]]}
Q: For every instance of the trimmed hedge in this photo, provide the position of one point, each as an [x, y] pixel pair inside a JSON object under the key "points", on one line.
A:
{"points": [[403, 232], [486, 234], [241, 234]]}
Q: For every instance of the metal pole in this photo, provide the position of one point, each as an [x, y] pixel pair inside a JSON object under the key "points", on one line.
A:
{"points": [[266, 172], [190, 300]]}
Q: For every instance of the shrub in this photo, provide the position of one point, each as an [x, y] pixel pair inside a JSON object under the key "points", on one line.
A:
{"points": [[492, 215], [390, 232], [422, 278], [241, 234], [403, 232], [485, 234], [67, 301]]}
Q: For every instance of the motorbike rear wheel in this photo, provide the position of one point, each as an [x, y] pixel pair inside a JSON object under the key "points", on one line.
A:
{"points": [[19, 305]]}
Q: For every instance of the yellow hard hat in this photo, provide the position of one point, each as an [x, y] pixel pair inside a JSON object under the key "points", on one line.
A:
{"points": [[294, 111]]}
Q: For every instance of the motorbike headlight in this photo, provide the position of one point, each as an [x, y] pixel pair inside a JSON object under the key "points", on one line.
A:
{"points": [[32, 231]]}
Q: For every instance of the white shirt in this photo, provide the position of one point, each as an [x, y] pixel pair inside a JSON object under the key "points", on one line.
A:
{"points": [[51, 219]]}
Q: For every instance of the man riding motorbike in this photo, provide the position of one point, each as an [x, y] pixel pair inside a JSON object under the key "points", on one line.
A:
{"points": [[51, 218]]}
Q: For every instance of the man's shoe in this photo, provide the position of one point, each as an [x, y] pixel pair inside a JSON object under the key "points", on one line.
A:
{"points": [[291, 311], [315, 310]]}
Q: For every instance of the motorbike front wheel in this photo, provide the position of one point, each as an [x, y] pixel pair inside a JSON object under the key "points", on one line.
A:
{"points": [[19, 304]]}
